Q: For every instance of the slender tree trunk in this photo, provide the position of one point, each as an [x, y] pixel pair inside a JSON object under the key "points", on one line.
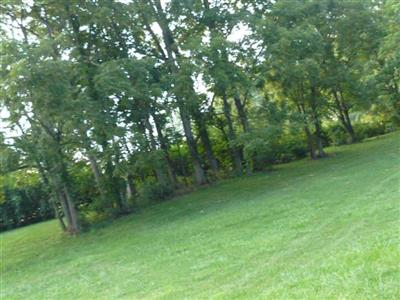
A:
{"points": [[205, 140], [62, 186], [339, 110], [220, 126], [199, 173], [343, 114], [130, 187], [310, 143], [164, 147], [232, 137], [237, 154], [183, 166], [73, 226], [57, 193], [170, 170], [54, 199], [350, 129], [105, 188], [318, 132], [113, 185], [57, 213], [84, 50], [244, 121], [161, 177], [69, 210], [97, 176], [317, 123], [53, 194], [242, 114], [65, 208], [309, 136], [65, 196], [171, 48]]}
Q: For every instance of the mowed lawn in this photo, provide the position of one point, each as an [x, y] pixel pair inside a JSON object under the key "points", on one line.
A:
{"points": [[325, 229]]}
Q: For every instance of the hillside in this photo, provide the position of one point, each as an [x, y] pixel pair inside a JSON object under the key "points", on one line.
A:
{"points": [[307, 230]]}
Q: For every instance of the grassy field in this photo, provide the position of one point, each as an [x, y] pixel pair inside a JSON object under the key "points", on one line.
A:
{"points": [[325, 229]]}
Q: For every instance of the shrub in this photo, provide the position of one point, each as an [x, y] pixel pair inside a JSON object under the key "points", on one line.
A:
{"points": [[87, 218], [336, 135], [367, 130], [151, 192], [292, 147]]}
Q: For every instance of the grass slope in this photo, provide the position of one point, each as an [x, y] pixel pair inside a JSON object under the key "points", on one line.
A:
{"points": [[327, 229]]}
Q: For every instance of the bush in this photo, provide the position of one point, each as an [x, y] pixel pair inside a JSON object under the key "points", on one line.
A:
{"points": [[337, 135], [272, 146], [87, 218], [292, 147], [151, 192], [368, 130], [23, 199]]}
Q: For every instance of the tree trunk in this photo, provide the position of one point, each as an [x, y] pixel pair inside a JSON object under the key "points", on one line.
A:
{"points": [[309, 136], [97, 176], [350, 129], [183, 166], [57, 213], [242, 114], [64, 207], [318, 132], [343, 114], [130, 187], [61, 184], [90, 71], [73, 226], [161, 177], [171, 48], [164, 147], [310, 143], [65, 196], [317, 123], [205, 140], [113, 185], [53, 194], [244, 121], [199, 173], [232, 137]]}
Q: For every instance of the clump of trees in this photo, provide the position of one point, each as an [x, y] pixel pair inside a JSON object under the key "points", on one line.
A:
{"points": [[108, 104]]}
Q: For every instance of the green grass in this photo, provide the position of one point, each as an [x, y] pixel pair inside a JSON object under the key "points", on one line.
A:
{"points": [[325, 229]]}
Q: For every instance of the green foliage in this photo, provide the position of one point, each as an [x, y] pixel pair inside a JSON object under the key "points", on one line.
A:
{"points": [[368, 130], [92, 217], [23, 199], [152, 192], [337, 135], [266, 147], [83, 183], [388, 77]]}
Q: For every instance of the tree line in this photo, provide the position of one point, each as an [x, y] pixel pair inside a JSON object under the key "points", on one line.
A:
{"points": [[107, 104]]}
